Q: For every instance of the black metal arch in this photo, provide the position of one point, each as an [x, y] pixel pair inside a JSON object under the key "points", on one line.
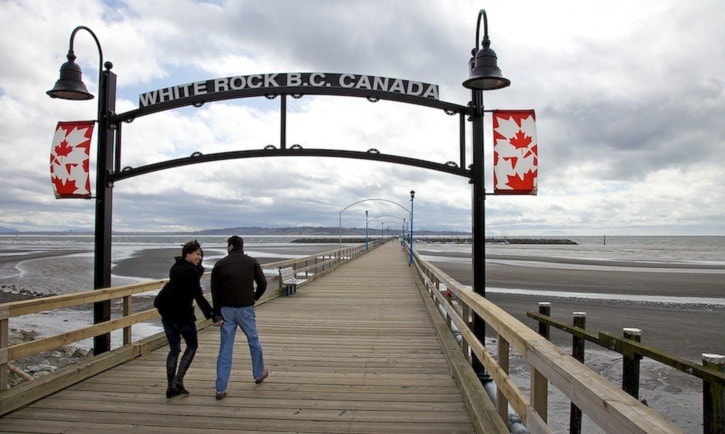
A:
{"points": [[187, 97], [129, 172]]}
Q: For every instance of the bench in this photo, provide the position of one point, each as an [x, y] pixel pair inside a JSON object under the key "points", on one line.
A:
{"points": [[289, 280]]}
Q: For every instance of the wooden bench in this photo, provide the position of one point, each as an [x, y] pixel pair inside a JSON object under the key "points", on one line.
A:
{"points": [[289, 280]]}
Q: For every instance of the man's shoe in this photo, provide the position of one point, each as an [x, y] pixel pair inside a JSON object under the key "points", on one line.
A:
{"points": [[221, 395], [261, 379]]}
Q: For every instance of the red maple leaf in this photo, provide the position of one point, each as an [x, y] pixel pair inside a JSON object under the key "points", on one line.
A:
{"points": [[64, 188], [520, 140], [518, 183], [63, 150]]}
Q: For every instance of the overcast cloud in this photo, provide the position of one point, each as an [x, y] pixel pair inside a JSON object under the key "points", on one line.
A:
{"points": [[628, 96]]}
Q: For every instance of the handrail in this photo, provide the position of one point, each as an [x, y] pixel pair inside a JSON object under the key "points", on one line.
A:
{"points": [[8, 353], [607, 405]]}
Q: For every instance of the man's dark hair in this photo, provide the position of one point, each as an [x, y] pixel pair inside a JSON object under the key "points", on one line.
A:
{"points": [[236, 242]]}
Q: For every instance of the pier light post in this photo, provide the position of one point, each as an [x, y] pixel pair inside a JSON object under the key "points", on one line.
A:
{"points": [[484, 74], [410, 256], [366, 230], [70, 87]]}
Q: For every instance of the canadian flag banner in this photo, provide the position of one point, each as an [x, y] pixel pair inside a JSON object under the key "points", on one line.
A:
{"points": [[69, 160], [515, 152]]}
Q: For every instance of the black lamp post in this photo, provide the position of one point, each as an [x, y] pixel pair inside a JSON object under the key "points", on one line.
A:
{"points": [[366, 230], [70, 86], [484, 74], [410, 257]]}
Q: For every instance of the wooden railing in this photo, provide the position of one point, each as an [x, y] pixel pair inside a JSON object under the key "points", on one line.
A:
{"points": [[711, 372], [604, 403], [313, 266]]}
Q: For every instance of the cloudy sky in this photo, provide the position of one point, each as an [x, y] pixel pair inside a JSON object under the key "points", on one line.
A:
{"points": [[628, 96]]}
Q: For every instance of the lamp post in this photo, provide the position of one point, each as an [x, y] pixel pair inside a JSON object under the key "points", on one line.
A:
{"points": [[410, 256], [484, 74], [366, 230], [70, 86], [402, 231]]}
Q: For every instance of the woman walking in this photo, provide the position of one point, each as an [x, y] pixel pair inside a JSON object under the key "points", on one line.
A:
{"points": [[175, 304]]}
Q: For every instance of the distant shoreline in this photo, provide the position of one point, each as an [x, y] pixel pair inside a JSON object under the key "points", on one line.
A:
{"points": [[443, 239]]}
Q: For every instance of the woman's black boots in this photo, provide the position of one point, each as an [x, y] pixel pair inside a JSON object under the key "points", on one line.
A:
{"points": [[177, 384], [171, 375]]}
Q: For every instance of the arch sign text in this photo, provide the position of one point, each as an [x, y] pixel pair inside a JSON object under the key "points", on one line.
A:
{"points": [[314, 81]]}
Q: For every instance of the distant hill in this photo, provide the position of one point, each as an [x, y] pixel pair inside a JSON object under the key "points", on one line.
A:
{"points": [[290, 231], [316, 230]]}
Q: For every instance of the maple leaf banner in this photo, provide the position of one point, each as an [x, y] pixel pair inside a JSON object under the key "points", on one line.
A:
{"points": [[515, 152], [70, 161]]}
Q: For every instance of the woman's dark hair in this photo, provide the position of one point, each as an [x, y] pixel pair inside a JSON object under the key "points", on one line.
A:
{"points": [[190, 247]]}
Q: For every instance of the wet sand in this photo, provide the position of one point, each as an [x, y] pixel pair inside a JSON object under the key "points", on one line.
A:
{"points": [[155, 263], [685, 330]]}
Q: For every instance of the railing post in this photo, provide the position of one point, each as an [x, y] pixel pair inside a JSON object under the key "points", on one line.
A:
{"points": [[544, 309], [630, 364], [127, 335], [713, 397], [466, 314], [4, 344], [539, 383], [502, 403], [577, 351]]}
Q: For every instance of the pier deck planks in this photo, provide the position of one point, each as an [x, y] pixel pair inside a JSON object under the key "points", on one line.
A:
{"points": [[353, 351]]}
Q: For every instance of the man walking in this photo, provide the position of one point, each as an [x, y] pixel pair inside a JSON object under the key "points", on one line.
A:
{"points": [[233, 296]]}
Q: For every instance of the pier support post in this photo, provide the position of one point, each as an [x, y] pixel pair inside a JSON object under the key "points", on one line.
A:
{"points": [[577, 351], [4, 344], [713, 397], [539, 383], [630, 364], [544, 309]]}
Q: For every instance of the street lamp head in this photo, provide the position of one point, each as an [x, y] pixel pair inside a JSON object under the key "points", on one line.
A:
{"points": [[412, 194], [484, 73], [70, 84]]}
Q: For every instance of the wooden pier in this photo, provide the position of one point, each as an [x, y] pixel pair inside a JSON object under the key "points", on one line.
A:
{"points": [[354, 351]]}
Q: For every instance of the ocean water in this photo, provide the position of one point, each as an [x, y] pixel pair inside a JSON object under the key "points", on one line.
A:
{"points": [[694, 250]]}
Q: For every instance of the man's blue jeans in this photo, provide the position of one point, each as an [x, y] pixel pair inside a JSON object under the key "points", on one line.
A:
{"points": [[245, 318]]}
